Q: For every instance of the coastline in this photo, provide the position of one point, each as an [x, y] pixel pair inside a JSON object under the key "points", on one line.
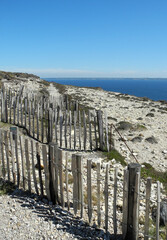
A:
{"points": [[147, 134], [141, 122]]}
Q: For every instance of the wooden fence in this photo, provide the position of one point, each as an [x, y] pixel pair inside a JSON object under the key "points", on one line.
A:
{"points": [[76, 184], [48, 119]]}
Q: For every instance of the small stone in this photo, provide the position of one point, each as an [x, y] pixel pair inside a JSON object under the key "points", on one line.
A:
{"points": [[150, 115], [151, 139]]}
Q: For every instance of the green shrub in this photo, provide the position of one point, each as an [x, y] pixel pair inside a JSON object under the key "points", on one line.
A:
{"points": [[6, 187], [114, 154], [149, 171]]}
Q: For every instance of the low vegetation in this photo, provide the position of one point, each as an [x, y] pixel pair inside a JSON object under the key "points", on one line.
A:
{"points": [[114, 154], [61, 88], [13, 75], [6, 187], [149, 171]]}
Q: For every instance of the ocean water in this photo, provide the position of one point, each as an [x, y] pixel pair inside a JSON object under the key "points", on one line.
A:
{"points": [[153, 88]]}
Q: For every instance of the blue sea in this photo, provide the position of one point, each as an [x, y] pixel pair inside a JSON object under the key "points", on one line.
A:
{"points": [[153, 88]]}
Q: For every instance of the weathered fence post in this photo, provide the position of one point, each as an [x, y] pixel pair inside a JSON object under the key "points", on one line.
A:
{"points": [[158, 211], [75, 122], [28, 164], [148, 194], [65, 129], [100, 128], [90, 129], [85, 133], [80, 131], [52, 172], [44, 152], [39, 167], [115, 202], [25, 111], [66, 180], [22, 159], [125, 203], [12, 156], [51, 178], [98, 194], [33, 168], [42, 120], [133, 201], [17, 159], [106, 199], [7, 154], [2, 154], [61, 178], [80, 183], [89, 189]]}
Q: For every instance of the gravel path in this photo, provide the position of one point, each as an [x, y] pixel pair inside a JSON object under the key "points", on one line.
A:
{"points": [[25, 216]]}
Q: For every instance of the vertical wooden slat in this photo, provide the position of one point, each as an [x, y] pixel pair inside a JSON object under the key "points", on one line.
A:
{"points": [[42, 123], [106, 126], [29, 117], [148, 194], [90, 129], [80, 132], [106, 199], [56, 163], [98, 195], [75, 121], [33, 168], [70, 128], [2, 154], [65, 129], [17, 159], [39, 167], [56, 126], [7, 154], [53, 166], [45, 161], [100, 128], [89, 189], [115, 201], [158, 210], [22, 160], [10, 108], [85, 133], [133, 201], [21, 112], [61, 129], [95, 129], [28, 164], [33, 118], [12, 158], [14, 112], [18, 111], [66, 179], [25, 112], [61, 176], [2, 106], [136, 206], [6, 109], [80, 182], [38, 121], [75, 184], [125, 203]]}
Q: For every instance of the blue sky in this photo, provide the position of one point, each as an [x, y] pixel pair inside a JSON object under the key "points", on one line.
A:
{"points": [[88, 38]]}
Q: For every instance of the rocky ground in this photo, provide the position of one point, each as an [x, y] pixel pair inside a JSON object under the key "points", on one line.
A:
{"points": [[141, 122], [25, 216]]}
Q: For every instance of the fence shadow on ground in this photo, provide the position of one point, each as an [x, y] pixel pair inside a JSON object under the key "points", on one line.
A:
{"points": [[63, 220]]}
